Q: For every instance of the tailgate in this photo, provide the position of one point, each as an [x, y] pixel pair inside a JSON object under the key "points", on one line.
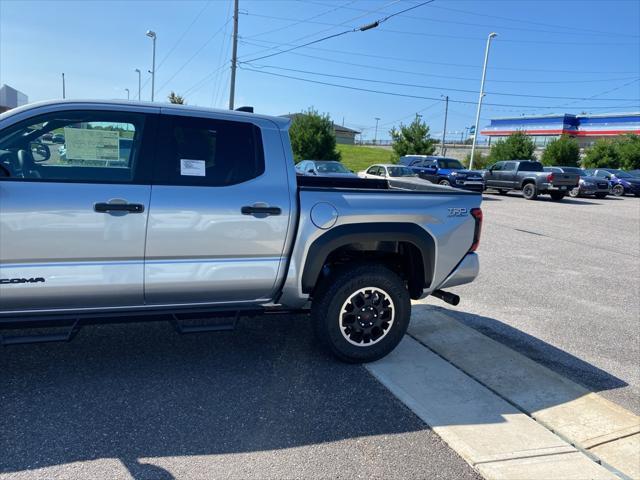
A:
{"points": [[565, 179]]}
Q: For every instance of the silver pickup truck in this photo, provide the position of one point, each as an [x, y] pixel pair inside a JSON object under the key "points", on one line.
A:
{"points": [[201, 214]]}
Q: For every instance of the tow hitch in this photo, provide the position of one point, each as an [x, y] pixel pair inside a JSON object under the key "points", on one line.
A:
{"points": [[450, 298]]}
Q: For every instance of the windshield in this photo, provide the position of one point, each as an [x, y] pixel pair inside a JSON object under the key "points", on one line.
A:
{"points": [[620, 174], [450, 163], [331, 167], [579, 171], [400, 172]]}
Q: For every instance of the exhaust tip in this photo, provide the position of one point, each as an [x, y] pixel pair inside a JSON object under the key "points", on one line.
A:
{"points": [[448, 297]]}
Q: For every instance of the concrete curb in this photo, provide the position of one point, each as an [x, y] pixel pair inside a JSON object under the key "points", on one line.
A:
{"points": [[492, 435], [582, 418]]}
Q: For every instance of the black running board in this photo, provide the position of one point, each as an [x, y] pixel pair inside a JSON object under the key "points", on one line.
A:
{"points": [[26, 339]]}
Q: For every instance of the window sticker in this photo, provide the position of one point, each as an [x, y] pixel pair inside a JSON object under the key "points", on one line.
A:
{"points": [[192, 168], [91, 144]]}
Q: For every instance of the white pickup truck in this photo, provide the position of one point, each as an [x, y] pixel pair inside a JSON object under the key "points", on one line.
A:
{"points": [[203, 215]]}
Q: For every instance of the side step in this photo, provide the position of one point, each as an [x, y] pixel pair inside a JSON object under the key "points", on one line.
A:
{"points": [[202, 325], [24, 339]]}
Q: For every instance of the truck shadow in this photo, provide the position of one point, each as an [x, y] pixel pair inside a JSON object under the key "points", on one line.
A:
{"points": [[555, 359], [138, 391]]}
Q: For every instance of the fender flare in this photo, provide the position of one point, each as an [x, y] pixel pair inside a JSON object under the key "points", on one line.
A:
{"points": [[344, 235]]}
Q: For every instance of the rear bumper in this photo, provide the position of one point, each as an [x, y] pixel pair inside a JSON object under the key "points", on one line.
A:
{"points": [[466, 272]]}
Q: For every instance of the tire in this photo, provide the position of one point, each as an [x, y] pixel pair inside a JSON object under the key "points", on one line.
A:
{"points": [[601, 195], [445, 182], [557, 196], [375, 290], [530, 191], [618, 190], [574, 192]]}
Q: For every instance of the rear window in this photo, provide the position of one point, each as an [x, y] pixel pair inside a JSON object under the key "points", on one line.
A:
{"points": [[450, 163], [530, 167]]}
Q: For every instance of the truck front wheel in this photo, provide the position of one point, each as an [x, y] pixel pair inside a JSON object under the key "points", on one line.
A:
{"points": [[360, 314]]}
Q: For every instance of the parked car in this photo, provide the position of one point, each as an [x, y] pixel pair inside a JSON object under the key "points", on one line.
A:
{"points": [[529, 177], [323, 167], [635, 173], [588, 185], [398, 176], [57, 138], [444, 171], [228, 229], [620, 182]]}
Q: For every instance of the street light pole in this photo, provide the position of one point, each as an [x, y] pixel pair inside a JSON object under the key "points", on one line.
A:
{"points": [[484, 73], [139, 81], [443, 149], [64, 93], [375, 135], [127, 90], [152, 35]]}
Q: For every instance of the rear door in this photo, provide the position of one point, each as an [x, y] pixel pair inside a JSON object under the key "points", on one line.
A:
{"points": [[73, 215], [219, 213]]}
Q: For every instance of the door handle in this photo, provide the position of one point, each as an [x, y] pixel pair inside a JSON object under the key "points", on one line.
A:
{"points": [[259, 210], [104, 207]]}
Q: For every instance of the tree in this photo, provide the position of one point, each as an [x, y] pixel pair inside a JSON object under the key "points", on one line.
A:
{"points": [[603, 154], [517, 146], [628, 147], [618, 152], [313, 137], [413, 139], [174, 98], [480, 160], [562, 151]]}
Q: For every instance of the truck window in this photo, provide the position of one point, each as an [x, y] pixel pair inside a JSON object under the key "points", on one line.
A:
{"points": [[83, 146], [530, 167], [509, 166], [210, 152]]}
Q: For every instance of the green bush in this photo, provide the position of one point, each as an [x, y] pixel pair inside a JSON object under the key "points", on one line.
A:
{"points": [[413, 139], [628, 147], [480, 160], [517, 146], [619, 152], [562, 151], [313, 137]]}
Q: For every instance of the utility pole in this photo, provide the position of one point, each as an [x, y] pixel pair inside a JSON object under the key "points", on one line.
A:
{"points": [[443, 149], [64, 93], [137, 70], [152, 35], [127, 90], [234, 56], [484, 74], [375, 135]]}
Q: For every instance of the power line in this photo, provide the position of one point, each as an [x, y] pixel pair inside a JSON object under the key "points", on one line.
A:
{"points": [[492, 26], [355, 29], [417, 96], [457, 37], [184, 33], [432, 87], [202, 47], [448, 77], [448, 64]]}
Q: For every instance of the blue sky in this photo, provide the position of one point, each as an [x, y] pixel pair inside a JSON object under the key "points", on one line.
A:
{"points": [[579, 49]]}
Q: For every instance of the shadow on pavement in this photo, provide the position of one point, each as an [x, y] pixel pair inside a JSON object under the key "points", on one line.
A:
{"points": [[561, 362], [140, 390]]}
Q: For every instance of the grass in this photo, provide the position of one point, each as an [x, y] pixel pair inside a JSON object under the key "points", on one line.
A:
{"points": [[357, 157]]}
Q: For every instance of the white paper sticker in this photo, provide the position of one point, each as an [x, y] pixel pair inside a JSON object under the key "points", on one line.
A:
{"points": [[193, 168], [91, 144]]}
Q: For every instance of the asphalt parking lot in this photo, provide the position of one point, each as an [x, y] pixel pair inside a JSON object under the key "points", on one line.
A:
{"points": [[559, 284]]}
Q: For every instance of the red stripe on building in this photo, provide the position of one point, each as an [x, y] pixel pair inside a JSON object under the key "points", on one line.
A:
{"points": [[575, 133]]}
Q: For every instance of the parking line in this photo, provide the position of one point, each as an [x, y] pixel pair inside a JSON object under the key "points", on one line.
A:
{"points": [[584, 419], [493, 436]]}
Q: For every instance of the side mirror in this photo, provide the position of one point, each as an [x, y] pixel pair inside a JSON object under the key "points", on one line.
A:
{"points": [[40, 152], [313, 172], [607, 177]]}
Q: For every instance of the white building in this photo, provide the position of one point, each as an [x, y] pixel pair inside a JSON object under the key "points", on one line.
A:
{"points": [[11, 98]]}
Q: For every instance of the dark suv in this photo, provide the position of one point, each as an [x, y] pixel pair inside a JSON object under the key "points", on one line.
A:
{"points": [[444, 171], [620, 182]]}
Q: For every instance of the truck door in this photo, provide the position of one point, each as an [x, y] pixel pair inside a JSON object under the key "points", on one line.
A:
{"points": [[494, 175], [219, 213], [73, 214], [509, 175]]}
